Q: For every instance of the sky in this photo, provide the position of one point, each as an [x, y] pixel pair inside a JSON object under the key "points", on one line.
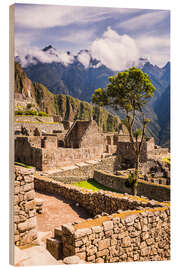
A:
{"points": [[117, 37]]}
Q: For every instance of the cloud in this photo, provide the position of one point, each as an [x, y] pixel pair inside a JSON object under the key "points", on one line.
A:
{"points": [[144, 21], [115, 51], [31, 56], [44, 16], [84, 58], [157, 49]]}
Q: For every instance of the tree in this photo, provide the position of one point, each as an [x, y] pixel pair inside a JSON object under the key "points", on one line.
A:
{"points": [[129, 90]]}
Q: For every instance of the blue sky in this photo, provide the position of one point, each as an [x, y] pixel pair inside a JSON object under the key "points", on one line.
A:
{"points": [[116, 36]]}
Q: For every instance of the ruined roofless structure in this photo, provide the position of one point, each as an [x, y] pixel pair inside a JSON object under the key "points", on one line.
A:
{"points": [[47, 144]]}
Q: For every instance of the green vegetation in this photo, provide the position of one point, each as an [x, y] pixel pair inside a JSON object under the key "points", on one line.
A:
{"points": [[92, 185], [23, 165], [28, 112], [43, 114], [68, 107], [31, 113], [167, 160], [129, 91]]}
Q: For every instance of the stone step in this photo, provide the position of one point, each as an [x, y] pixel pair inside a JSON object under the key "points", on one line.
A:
{"points": [[54, 246]]}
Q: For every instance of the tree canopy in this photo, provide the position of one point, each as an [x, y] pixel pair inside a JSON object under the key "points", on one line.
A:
{"points": [[129, 90]]}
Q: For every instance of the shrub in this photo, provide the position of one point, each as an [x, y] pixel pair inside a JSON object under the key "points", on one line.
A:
{"points": [[19, 112], [43, 114], [29, 106], [131, 181], [31, 112]]}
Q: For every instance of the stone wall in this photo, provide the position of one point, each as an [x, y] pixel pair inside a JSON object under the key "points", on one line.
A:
{"points": [[151, 190], [125, 151], [44, 154], [24, 207], [84, 170], [142, 235], [42, 126], [92, 136], [26, 153], [54, 158], [94, 202], [33, 118]]}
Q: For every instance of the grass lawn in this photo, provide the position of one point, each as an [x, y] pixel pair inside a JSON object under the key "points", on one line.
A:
{"points": [[92, 185]]}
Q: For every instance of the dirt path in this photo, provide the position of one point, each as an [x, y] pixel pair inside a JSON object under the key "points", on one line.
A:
{"points": [[58, 211]]}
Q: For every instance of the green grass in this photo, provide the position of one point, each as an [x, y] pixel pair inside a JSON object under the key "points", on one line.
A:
{"points": [[23, 165], [167, 160], [92, 185]]}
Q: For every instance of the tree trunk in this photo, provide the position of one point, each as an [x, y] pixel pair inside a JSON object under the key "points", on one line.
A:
{"points": [[136, 174]]}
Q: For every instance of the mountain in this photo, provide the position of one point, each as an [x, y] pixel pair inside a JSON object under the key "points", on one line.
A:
{"points": [[78, 78], [68, 107], [79, 75], [162, 109]]}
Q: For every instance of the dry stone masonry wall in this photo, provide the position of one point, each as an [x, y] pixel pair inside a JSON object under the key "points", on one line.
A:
{"points": [[94, 202], [138, 236], [151, 190], [24, 207]]}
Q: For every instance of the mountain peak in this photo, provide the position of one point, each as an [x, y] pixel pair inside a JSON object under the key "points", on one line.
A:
{"points": [[47, 48]]}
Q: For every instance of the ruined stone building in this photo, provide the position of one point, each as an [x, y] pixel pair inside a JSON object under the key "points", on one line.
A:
{"points": [[50, 144]]}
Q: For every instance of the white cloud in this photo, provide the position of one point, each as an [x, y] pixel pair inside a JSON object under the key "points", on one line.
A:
{"points": [[43, 16], [84, 58], [115, 51], [29, 56], [156, 48], [144, 21]]}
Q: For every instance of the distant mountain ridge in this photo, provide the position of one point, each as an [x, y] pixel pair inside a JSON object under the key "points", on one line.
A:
{"points": [[68, 107], [80, 75]]}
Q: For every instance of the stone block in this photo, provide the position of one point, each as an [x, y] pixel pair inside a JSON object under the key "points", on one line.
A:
{"points": [[108, 225], [82, 232], [113, 242], [72, 260], [78, 243], [31, 223], [103, 244], [30, 205], [102, 253], [68, 229], [99, 260], [29, 237], [108, 233], [149, 241], [28, 187], [113, 251], [23, 226], [54, 246], [145, 251], [136, 257], [81, 255], [30, 195], [91, 251], [144, 235], [126, 241], [97, 229], [91, 258]]}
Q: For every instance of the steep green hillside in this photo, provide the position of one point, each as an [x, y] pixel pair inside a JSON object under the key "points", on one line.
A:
{"points": [[66, 106]]}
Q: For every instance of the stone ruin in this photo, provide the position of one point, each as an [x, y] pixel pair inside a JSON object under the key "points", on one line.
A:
{"points": [[124, 227], [50, 144]]}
